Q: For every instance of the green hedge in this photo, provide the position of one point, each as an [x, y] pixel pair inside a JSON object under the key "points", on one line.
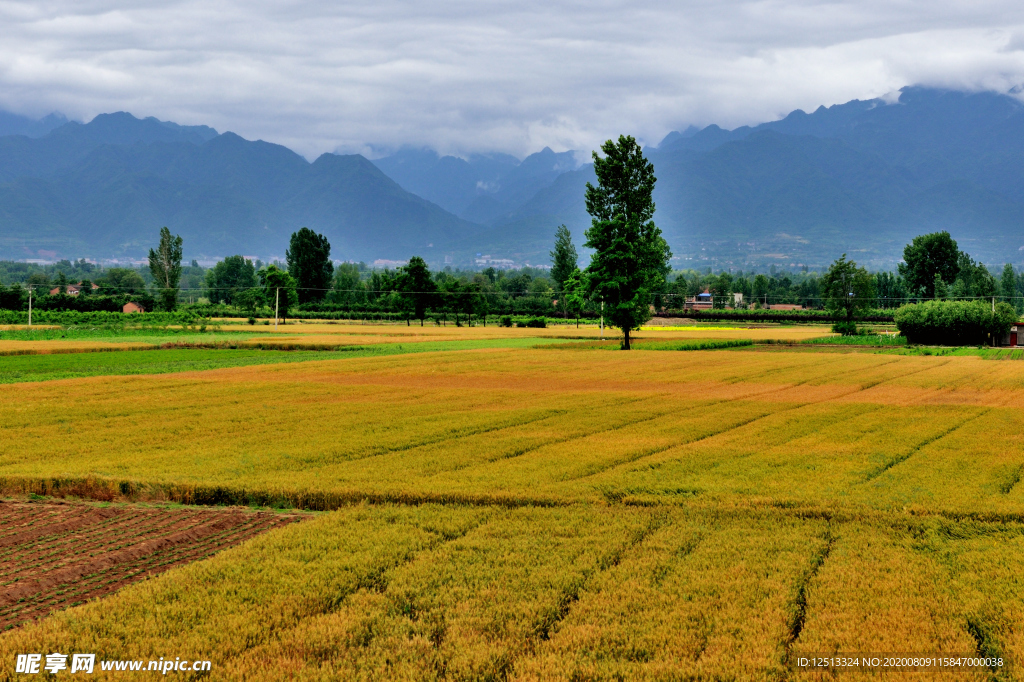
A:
{"points": [[954, 323], [67, 318], [763, 315]]}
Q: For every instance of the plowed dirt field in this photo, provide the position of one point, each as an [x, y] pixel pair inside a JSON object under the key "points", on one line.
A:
{"points": [[57, 555]]}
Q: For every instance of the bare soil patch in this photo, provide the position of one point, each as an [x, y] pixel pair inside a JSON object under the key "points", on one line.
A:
{"points": [[61, 554]]}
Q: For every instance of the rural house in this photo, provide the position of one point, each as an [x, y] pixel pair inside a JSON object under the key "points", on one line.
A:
{"points": [[71, 289], [702, 301]]}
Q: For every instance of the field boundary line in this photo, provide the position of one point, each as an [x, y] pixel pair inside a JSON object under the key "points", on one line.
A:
{"points": [[548, 414], [573, 593], [658, 450], [740, 425], [1010, 483], [107, 490], [568, 439], [904, 376], [654, 451], [552, 413], [899, 459], [557, 441], [798, 616], [986, 644]]}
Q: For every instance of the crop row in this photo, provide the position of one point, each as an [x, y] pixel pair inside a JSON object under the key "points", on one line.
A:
{"points": [[119, 533], [109, 535], [19, 519]]}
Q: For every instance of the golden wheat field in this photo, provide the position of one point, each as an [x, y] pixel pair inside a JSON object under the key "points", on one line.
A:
{"points": [[554, 513], [314, 335]]}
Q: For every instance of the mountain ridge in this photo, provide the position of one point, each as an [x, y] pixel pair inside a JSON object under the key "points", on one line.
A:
{"points": [[861, 177], [104, 189]]}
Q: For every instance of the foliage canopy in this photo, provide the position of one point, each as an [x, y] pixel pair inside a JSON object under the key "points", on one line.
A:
{"points": [[928, 256], [630, 258], [848, 289], [309, 262], [954, 323], [165, 265]]}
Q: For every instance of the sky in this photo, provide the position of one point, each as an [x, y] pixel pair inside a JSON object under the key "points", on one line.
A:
{"points": [[475, 76]]}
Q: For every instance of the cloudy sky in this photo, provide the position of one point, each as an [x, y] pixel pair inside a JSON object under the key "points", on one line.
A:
{"points": [[472, 75]]}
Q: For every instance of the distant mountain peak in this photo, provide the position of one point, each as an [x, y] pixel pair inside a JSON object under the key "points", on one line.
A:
{"points": [[121, 127], [15, 124]]}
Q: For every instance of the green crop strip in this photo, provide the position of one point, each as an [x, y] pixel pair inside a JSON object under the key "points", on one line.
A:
{"points": [[47, 367]]}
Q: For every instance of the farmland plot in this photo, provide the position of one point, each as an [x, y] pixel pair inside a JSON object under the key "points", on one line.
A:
{"points": [[434, 592], [543, 514], [521, 426], [53, 556]]}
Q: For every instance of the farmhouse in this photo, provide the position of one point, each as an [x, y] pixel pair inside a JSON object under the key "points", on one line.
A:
{"points": [[131, 307], [72, 289], [702, 301]]}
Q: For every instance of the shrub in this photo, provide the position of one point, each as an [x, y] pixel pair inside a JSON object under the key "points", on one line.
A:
{"points": [[537, 322], [954, 323], [845, 327], [505, 321], [252, 320]]}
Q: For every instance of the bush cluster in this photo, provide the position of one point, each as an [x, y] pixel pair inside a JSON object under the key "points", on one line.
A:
{"points": [[765, 315], [954, 323]]}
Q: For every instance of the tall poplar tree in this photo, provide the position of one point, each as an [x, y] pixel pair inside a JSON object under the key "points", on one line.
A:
{"points": [[564, 259], [630, 258], [165, 266]]}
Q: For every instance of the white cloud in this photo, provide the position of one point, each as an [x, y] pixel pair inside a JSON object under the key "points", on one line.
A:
{"points": [[479, 76]]}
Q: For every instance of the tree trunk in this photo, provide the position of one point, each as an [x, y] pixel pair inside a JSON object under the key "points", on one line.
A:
{"points": [[625, 339]]}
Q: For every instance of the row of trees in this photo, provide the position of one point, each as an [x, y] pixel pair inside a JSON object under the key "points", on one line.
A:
{"points": [[237, 280], [933, 268]]}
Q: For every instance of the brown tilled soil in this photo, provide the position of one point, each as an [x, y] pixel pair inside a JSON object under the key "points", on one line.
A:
{"points": [[56, 555]]}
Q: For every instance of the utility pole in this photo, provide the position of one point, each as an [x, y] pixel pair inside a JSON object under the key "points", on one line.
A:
{"points": [[602, 320], [277, 303], [30, 306]]}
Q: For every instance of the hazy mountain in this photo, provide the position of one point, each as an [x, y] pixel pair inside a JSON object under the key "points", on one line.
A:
{"points": [[862, 178], [485, 188], [106, 187], [15, 124]]}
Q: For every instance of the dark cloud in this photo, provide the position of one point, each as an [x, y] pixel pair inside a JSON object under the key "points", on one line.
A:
{"points": [[470, 76]]}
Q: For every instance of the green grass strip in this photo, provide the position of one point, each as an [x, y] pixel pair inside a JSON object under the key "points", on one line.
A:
{"points": [[961, 351], [48, 367], [153, 335], [865, 340]]}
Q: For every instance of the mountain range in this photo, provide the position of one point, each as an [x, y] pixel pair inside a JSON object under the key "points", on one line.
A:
{"points": [[105, 188], [861, 178]]}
